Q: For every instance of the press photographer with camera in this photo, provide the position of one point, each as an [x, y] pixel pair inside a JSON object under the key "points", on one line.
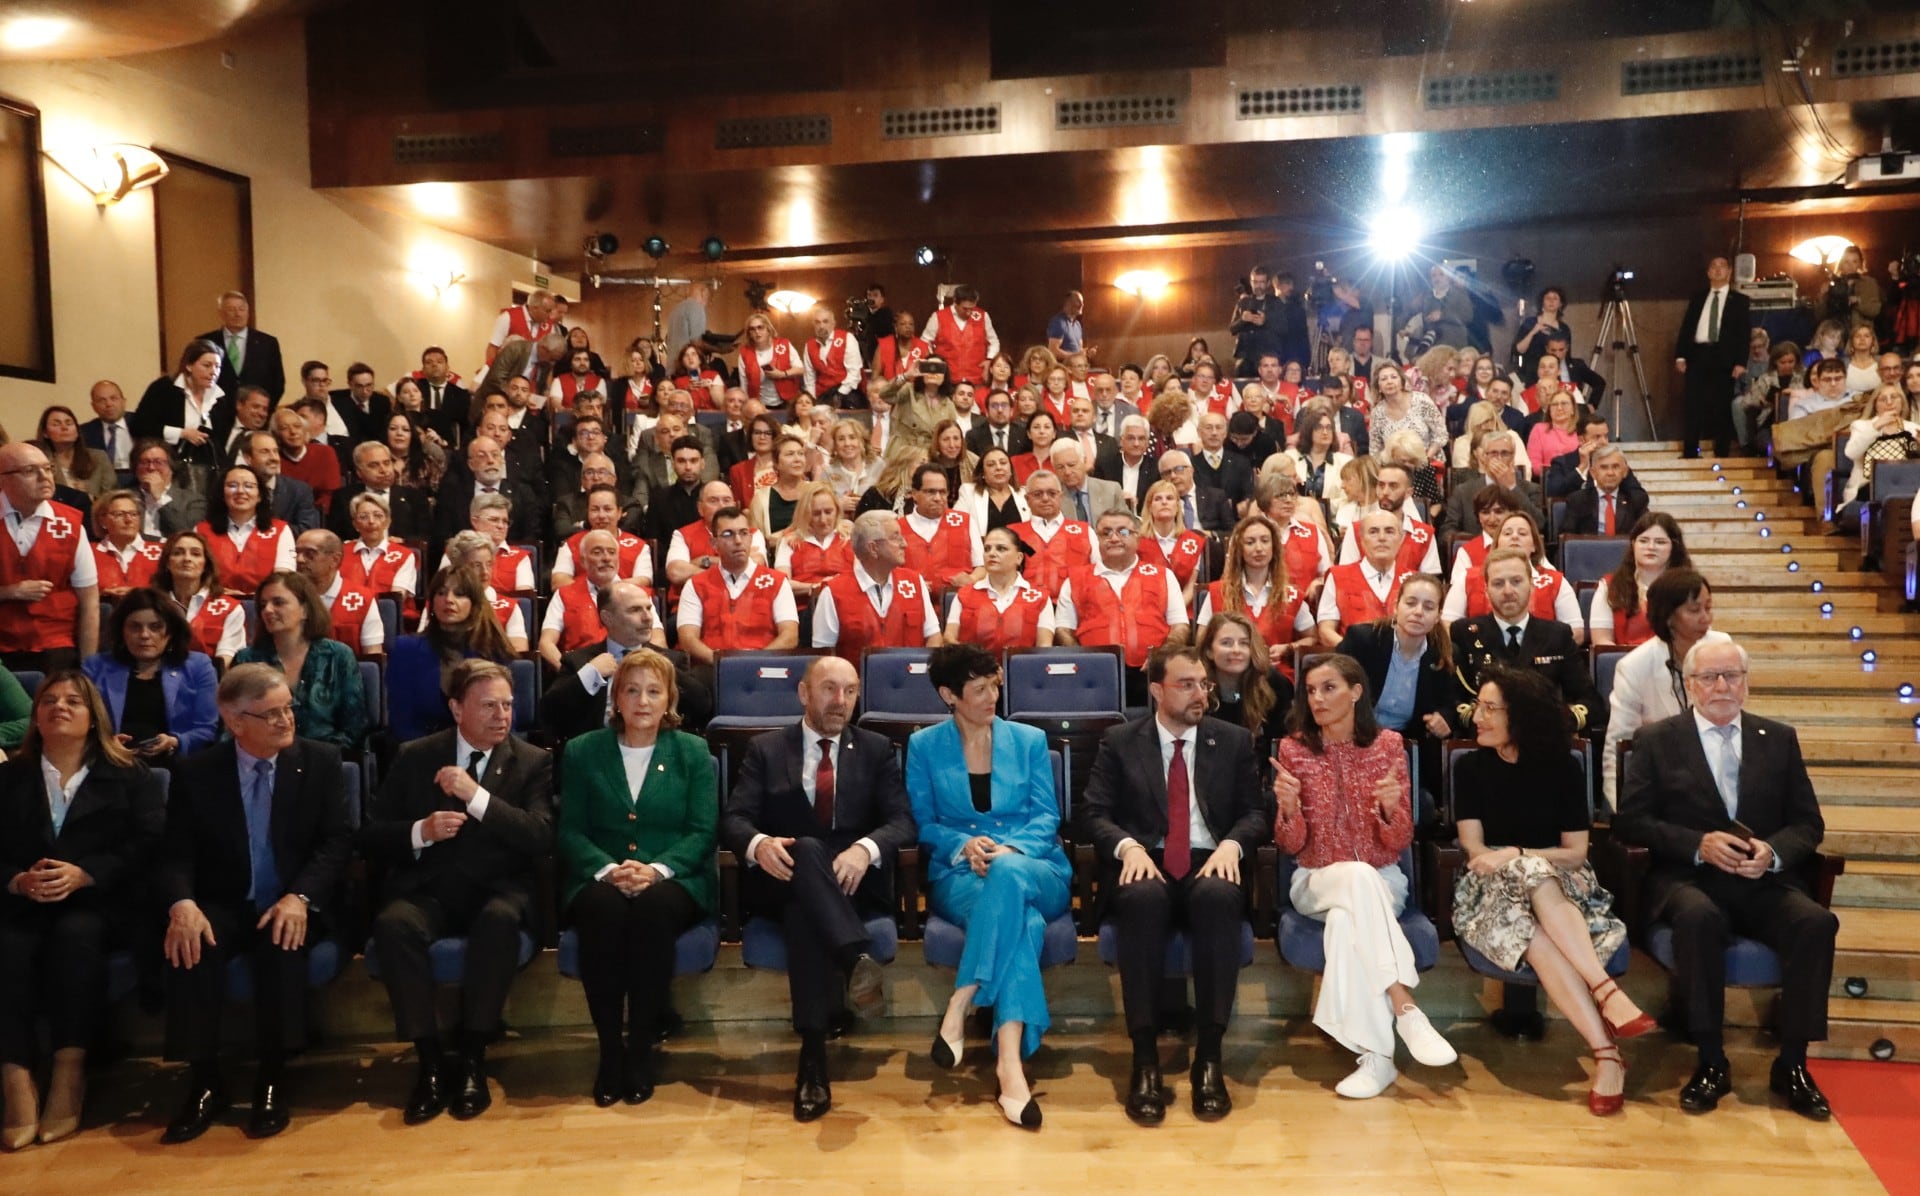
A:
{"points": [[1267, 318], [1852, 294]]}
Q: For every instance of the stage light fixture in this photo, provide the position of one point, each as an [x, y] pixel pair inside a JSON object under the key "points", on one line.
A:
{"points": [[1394, 234], [714, 248], [656, 247], [925, 255]]}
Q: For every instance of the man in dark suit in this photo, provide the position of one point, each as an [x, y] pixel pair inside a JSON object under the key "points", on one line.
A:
{"points": [[1202, 508], [486, 473], [459, 823], [1495, 458], [1575, 371], [733, 441], [165, 508], [1611, 502], [257, 841], [816, 815], [1722, 800], [1254, 438], [1135, 470], [374, 467], [1569, 471], [1098, 447], [1338, 390], [1174, 808], [1214, 468], [248, 357], [1711, 353], [671, 508], [576, 700], [998, 430], [249, 411], [445, 400], [290, 499], [108, 430], [361, 407], [1512, 636]]}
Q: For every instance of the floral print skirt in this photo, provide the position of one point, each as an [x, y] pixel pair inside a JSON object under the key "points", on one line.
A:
{"points": [[1494, 913]]}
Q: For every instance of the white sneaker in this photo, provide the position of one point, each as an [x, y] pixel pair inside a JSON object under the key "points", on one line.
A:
{"points": [[1423, 1041], [1374, 1076]]}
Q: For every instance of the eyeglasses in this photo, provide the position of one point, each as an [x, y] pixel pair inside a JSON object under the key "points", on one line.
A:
{"points": [[734, 533], [1723, 677], [1191, 686], [279, 716], [1116, 533], [242, 488], [36, 471], [1490, 707]]}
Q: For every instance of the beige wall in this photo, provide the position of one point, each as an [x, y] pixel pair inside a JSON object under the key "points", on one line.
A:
{"points": [[332, 275]]}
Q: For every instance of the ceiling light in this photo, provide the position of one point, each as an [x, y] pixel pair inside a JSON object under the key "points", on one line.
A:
{"points": [[925, 255], [714, 248], [1394, 234], [790, 302], [656, 247], [1818, 251], [111, 172], [1146, 284], [33, 33]]}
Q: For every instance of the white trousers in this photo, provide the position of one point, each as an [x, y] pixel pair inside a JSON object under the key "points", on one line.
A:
{"points": [[1360, 906]]}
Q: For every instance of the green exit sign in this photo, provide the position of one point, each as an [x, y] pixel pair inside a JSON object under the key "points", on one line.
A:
{"points": [[542, 281]]}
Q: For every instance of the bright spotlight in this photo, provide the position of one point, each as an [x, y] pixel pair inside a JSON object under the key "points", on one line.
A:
{"points": [[1150, 284], [1394, 234], [791, 302], [925, 255]]}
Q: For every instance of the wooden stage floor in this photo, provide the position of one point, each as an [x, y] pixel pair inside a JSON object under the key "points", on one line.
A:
{"points": [[1510, 1117]]}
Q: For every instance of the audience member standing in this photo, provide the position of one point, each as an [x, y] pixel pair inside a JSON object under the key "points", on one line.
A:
{"points": [[248, 357]]}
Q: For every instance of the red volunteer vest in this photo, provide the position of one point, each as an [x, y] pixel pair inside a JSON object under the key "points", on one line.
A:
{"points": [[1023, 467], [571, 386], [580, 624], [700, 388], [783, 359], [890, 363], [351, 609], [140, 569], [208, 625], [1183, 560], [950, 551], [829, 367], [1062, 418], [862, 627], [1275, 619], [743, 622], [1218, 399], [1546, 590], [1631, 630], [1302, 553], [1413, 549], [48, 623], [962, 344], [242, 569], [1357, 601], [983, 624], [813, 564], [503, 609], [1136, 619], [386, 567], [630, 546], [1052, 561], [506, 568]]}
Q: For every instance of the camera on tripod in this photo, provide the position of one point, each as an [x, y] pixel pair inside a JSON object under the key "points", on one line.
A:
{"points": [[857, 310], [1320, 287]]}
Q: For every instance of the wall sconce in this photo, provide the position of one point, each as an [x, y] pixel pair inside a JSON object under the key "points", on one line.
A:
{"points": [[1819, 251], [1142, 284], [110, 173], [790, 302], [446, 282]]}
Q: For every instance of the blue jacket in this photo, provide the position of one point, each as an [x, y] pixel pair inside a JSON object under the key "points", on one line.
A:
{"points": [[1025, 813], [192, 717]]}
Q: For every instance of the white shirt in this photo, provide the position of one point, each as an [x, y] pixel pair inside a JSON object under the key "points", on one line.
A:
{"points": [[1702, 332], [476, 805], [810, 740], [1199, 837], [1714, 746], [1256, 600], [1001, 600], [25, 528], [1503, 625], [926, 529], [196, 414], [1130, 477], [852, 361], [233, 632], [60, 796], [1645, 690], [1379, 581], [405, 578], [826, 618], [122, 442], [693, 614], [1067, 618], [373, 632], [635, 762]]}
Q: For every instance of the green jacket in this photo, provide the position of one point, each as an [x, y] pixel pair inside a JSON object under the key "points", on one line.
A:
{"points": [[673, 823]]}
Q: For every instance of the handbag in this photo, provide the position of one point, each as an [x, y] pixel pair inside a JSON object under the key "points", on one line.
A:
{"points": [[1900, 446]]}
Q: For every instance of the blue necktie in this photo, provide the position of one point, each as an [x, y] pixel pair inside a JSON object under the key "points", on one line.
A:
{"points": [[1726, 770], [259, 812], [1187, 507]]}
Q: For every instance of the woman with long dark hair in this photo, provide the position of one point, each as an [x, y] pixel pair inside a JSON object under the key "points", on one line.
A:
{"points": [[189, 578], [460, 622], [157, 687], [74, 464], [295, 637], [421, 463], [180, 410], [1647, 682], [242, 535], [1619, 611]]}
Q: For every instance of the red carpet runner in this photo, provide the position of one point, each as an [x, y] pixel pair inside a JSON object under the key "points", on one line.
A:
{"points": [[1878, 1104]]}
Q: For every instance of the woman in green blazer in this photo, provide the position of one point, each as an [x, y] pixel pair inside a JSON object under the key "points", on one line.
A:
{"points": [[638, 812]]}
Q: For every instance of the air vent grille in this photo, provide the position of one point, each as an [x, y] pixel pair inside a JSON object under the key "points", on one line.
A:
{"points": [[1876, 58], [605, 141], [963, 121], [436, 149], [1111, 111], [1493, 90], [1689, 74], [1258, 103], [767, 132]]}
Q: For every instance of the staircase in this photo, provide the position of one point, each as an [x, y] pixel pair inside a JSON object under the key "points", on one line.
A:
{"points": [[1746, 529]]}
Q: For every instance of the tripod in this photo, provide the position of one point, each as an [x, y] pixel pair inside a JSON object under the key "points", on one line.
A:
{"points": [[1618, 308]]}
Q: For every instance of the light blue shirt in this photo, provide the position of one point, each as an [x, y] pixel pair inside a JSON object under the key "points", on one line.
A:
{"points": [[1398, 692]]}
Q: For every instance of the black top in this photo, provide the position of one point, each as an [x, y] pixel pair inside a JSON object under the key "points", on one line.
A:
{"points": [[1525, 804], [982, 786], [1232, 701], [145, 712], [780, 510]]}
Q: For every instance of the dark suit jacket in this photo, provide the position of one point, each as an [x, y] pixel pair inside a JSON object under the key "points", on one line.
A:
{"points": [[1459, 516], [1583, 509], [1354, 425], [980, 439], [293, 504], [869, 802], [1546, 647], [493, 854], [1564, 476], [184, 509], [371, 426], [1234, 478], [567, 709], [1126, 795], [112, 829], [453, 511], [263, 367], [1212, 507], [1149, 474], [407, 506], [730, 448], [93, 434], [1668, 800], [205, 856], [1736, 326], [163, 405], [1437, 691], [450, 418]]}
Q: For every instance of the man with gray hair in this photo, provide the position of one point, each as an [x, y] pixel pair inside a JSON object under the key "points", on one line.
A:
{"points": [[376, 472], [879, 604], [1202, 508], [1722, 800], [1083, 497], [317, 556], [248, 356], [1132, 469], [1611, 502]]}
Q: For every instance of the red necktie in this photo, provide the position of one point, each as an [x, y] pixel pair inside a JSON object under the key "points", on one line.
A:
{"points": [[1609, 515], [1179, 853], [823, 785]]}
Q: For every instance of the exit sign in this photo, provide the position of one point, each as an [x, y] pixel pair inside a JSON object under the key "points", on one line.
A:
{"points": [[542, 281]]}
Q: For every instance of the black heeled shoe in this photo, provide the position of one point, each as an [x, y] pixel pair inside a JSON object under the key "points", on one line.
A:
{"points": [[1026, 1116], [947, 1052], [640, 1077]]}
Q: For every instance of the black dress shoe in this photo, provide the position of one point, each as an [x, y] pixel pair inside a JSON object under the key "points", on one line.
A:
{"points": [[839, 1023], [670, 1025], [1710, 1082], [1210, 1099], [471, 1097], [640, 1079], [429, 1097], [203, 1107], [1146, 1097], [270, 1114], [1803, 1095], [609, 1082], [812, 1094]]}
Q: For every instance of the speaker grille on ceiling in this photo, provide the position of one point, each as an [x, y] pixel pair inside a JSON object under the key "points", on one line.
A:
{"points": [[1258, 103], [1689, 74], [1116, 110], [764, 132], [422, 149], [1493, 90], [604, 141], [961, 121], [1876, 58]]}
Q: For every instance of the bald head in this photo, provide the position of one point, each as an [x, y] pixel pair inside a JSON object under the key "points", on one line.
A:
{"points": [[1380, 535], [828, 690]]}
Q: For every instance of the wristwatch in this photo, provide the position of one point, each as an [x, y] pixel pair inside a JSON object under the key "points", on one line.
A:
{"points": [[304, 899]]}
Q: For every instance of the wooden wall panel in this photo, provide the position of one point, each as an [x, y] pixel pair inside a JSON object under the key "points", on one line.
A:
{"points": [[26, 318], [203, 243]]}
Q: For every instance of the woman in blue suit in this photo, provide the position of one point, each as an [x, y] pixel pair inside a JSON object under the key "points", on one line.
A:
{"points": [[159, 691], [982, 792]]}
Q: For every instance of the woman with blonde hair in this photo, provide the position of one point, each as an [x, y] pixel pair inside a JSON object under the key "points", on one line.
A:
{"points": [[1433, 373], [776, 505], [1035, 364], [1164, 542], [1405, 449], [1248, 691], [814, 548], [1254, 583], [852, 463], [1395, 406], [1484, 417]]}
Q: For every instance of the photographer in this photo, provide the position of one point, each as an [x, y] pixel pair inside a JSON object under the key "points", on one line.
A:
{"points": [[1852, 295], [1266, 319]]}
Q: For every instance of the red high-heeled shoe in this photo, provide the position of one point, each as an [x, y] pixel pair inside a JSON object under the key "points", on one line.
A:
{"points": [[1605, 991], [1606, 1106]]}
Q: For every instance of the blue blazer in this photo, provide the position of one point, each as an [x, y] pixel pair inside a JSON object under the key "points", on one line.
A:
{"points": [[1025, 813], [189, 689]]}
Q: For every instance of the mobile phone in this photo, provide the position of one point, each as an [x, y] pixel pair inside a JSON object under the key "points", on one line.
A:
{"points": [[1743, 831], [150, 741]]}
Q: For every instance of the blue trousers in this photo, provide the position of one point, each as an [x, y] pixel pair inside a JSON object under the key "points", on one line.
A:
{"points": [[1005, 914]]}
